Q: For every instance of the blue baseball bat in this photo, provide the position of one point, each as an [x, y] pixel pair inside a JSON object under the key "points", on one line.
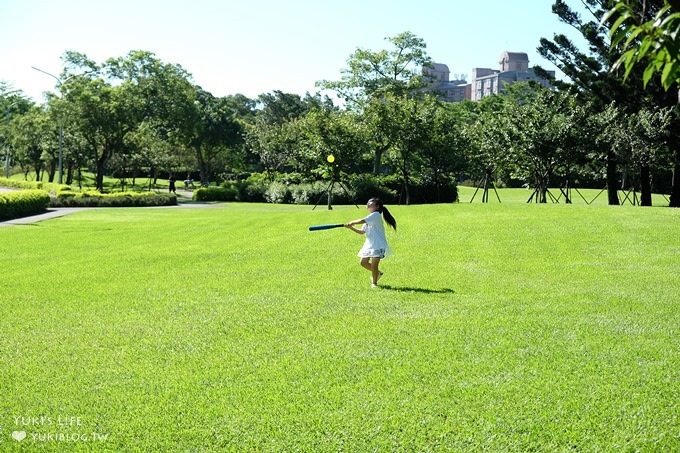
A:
{"points": [[325, 227]]}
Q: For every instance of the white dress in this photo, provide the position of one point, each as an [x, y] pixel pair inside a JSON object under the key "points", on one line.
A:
{"points": [[375, 245]]}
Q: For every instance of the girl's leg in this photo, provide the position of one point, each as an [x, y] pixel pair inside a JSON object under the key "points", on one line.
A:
{"points": [[365, 263], [374, 270]]}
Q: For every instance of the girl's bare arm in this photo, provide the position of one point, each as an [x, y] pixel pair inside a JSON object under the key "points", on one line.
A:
{"points": [[351, 224]]}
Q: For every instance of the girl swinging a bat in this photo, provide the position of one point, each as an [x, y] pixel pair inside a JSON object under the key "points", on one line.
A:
{"points": [[375, 247]]}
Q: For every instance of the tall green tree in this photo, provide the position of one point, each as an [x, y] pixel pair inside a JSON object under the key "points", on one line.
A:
{"points": [[650, 39], [279, 107], [328, 131], [443, 153], [374, 74], [410, 125], [282, 135], [590, 74], [488, 141], [102, 113], [33, 135], [215, 135], [542, 143], [639, 141], [275, 144], [13, 104]]}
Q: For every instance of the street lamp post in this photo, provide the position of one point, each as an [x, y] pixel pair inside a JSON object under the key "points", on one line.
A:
{"points": [[61, 121]]}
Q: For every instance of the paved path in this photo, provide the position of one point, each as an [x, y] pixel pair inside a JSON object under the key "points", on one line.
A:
{"points": [[52, 213]]}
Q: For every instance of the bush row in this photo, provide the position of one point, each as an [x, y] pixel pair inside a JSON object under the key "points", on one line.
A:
{"points": [[94, 199], [36, 185], [23, 203], [353, 189]]}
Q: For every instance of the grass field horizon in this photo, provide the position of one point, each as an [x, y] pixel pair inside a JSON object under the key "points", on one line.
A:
{"points": [[466, 193], [508, 327]]}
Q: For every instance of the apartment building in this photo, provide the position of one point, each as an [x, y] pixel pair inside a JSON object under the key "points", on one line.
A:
{"points": [[456, 90], [514, 67]]}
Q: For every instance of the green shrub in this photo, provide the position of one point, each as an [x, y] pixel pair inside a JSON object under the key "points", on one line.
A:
{"points": [[278, 192], [215, 194], [94, 199], [357, 188], [389, 188], [253, 188], [35, 185], [23, 203], [445, 190], [367, 186], [19, 184], [303, 194]]}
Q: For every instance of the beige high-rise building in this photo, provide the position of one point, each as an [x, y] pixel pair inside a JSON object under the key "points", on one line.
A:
{"points": [[514, 67], [448, 90]]}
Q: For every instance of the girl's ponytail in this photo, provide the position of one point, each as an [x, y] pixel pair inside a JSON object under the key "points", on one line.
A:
{"points": [[389, 218]]}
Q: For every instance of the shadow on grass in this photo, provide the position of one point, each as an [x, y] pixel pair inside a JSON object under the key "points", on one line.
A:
{"points": [[418, 290]]}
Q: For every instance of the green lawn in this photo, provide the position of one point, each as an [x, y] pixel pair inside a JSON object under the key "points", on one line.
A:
{"points": [[508, 327], [596, 197]]}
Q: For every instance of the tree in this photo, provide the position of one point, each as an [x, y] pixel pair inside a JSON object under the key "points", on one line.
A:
{"points": [[279, 107], [13, 104], [281, 134], [214, 134], [30, 131], [542, 142], [327, 131], [102, 114], [386, 72], [410, 126], [591, 77], [275, 144], [654, 41], [639, 141], [488, 141], [443, 153]]}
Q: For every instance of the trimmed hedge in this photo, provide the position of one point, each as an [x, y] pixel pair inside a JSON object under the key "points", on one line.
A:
{"points": [[39, 185], [94, 199], [357, 188], [215, 194], [23, 203]]}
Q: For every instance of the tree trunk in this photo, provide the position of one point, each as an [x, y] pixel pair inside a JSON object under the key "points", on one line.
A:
{"points": [[407, 192], [99, 177], [69, 174], [377, 159], [202, 167], [645, 186], [675, 144], [51, 171], [612, 181], [675, 191]]}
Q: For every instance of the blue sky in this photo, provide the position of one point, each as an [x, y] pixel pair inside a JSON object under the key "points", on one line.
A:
{"points": [[257, 46]]}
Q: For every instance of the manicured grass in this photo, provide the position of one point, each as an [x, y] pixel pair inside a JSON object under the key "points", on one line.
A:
{"points": [[597, 197], [505, 327]]}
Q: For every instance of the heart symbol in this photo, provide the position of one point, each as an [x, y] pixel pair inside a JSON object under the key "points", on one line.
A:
{"points": [[19, 435]]}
